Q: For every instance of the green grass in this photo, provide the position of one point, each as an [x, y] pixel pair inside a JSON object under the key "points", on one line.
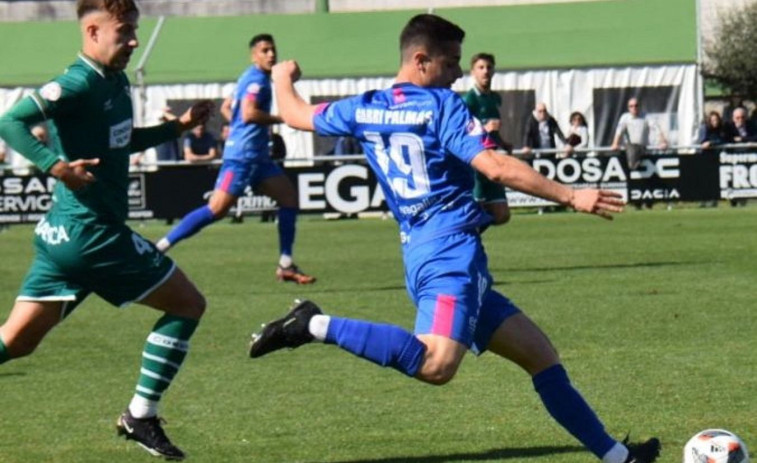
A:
{"points": [[190, 49], [654, 316]]}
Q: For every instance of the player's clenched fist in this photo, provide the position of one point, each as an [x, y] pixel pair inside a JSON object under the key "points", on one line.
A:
{"points": [[289, 70], [197, 114]]}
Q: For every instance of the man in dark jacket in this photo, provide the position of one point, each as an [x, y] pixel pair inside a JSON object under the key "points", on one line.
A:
{"points": [[740, 130], [541, 130]]}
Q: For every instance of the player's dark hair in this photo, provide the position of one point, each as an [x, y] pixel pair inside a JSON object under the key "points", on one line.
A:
{"points": [[261, 38], [488, 57], [117, 8], [431, 32]]}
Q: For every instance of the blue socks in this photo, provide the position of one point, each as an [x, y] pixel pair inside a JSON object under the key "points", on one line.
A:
{"points": [[4, 357], [191, 224], [568, 408], [385, 345], [203, 216], [287, 219], [391, 346]]}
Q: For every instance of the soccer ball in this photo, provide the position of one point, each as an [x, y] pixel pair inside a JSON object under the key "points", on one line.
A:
{"points": [[715, 446]]}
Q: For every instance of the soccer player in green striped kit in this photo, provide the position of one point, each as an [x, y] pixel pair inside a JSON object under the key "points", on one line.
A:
{"points": [[83, 245], [483, 103]]}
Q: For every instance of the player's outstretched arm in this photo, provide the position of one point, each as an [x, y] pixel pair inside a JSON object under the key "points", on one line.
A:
{"points": [[518, 175], [295, 111], [147, 137]]}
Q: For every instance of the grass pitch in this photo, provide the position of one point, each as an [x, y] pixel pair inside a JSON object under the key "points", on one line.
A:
{"points": [[654, 316]]}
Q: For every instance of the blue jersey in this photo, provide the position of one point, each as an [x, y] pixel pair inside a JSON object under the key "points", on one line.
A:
{"points": [[249, 141], [419, 142]]}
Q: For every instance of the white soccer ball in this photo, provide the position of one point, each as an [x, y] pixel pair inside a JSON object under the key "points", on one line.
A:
{"points": [[715, 446]]}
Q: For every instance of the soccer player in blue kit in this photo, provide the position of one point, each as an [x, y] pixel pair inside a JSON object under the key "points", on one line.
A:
{"points": [[421, 140], [247, 161]]}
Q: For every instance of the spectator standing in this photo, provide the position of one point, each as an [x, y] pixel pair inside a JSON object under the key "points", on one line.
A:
{"points": [[168, 151], [541, 131], [200, 145], [713, 132], [740, 130], [633, 131], [484, 104], [578, 133]]}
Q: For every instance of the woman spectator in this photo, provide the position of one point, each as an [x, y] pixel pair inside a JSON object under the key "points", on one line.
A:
{"points": [[712, 131], [578, 133]]}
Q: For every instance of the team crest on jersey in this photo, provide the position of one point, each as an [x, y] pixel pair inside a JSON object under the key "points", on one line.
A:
{"points": [[253, 88], [474, 127], [51, 91]]}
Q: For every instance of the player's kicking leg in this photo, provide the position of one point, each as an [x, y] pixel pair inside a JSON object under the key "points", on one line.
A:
{"points": [[521, 341], [163, 355], [429, 358], [28, 322], [280, 188], [219, 205]]}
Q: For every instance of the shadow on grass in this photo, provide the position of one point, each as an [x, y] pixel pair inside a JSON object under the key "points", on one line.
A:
{"points": [[352, 289], [489, 455], [316, 290], [522, 282], [598, 266], [12, 373]]}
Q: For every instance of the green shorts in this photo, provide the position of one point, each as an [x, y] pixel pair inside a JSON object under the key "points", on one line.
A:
{"points": [[75, 258], [485, 191]]}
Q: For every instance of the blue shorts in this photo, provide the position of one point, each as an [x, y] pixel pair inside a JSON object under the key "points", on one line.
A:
{"points": [[234, 175], [449, 282]]}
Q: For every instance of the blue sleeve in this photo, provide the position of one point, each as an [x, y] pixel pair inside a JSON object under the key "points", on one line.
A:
{"points": [[335, 118], [460, 133], [255, 86]]}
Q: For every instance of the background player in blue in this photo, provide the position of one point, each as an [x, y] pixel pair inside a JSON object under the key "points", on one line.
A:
{"points": [[247, 161], [420, 140]]}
